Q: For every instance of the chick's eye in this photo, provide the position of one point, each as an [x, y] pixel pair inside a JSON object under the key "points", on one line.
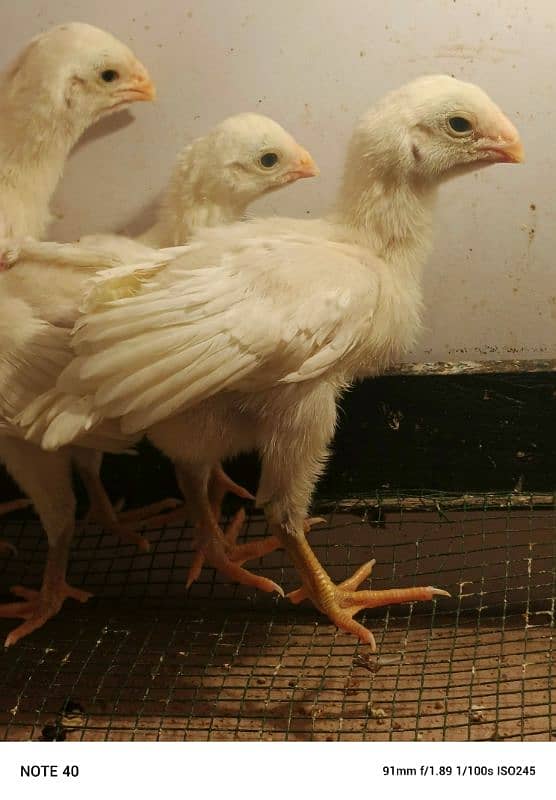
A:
{"points": [[459, 124], [269, 160], [109, 75]]}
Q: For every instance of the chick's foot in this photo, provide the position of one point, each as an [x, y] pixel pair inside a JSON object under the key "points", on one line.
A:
{"points": [[238, 554], [220, 551], [169, 511], [341, 602], [112, 525], [122, 523], [37, 607], [147, 514], [257, 548]]}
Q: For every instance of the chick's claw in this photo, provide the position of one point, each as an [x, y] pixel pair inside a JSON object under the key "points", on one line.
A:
{"points": [[37, 607]]}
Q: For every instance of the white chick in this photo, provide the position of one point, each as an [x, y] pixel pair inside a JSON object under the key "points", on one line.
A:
{"points": [[229, 173], [39, 349], [61, 83], [247, 341], [215, 179]]}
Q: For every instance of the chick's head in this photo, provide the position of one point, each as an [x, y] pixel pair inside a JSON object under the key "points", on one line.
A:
{"points": [[436, 127], [78, 72], [248, 155]]}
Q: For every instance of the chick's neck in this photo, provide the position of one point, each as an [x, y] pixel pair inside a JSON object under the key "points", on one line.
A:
{"points": [[35, 142], [388, 213], [187, 208]]}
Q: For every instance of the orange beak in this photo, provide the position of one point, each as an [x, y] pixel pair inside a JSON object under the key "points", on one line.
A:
{"points": [[139, 87], [507, 153], [513, 152], [502, 143], [303, 167]]}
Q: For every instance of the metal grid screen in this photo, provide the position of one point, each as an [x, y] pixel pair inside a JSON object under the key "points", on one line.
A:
{"points": [[144, 660]]}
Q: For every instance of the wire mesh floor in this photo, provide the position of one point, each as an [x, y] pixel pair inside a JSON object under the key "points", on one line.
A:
{"points": [[144, 660]]}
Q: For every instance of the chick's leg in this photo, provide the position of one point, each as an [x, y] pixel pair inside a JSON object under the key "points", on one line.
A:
{"points": [[101, 509], [287, 480], [218, 549], [219, 485], [256, 548], [341, 602], [166, 512], [196, 442], [46, 477]]}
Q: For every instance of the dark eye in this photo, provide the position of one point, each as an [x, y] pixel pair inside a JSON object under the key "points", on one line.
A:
{"points": [[109, 75], [269, 160], [459, 124]]}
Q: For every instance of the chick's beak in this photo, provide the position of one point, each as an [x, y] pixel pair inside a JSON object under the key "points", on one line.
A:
{"points": [[503, 144], [138, 87], [513, 152], [303, 167]]}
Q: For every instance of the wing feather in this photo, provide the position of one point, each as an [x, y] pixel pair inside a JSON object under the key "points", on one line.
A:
{"points": [[32, 355], [265, 313]]}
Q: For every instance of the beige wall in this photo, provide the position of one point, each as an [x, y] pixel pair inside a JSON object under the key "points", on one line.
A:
{"points": [[314, 65]]}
